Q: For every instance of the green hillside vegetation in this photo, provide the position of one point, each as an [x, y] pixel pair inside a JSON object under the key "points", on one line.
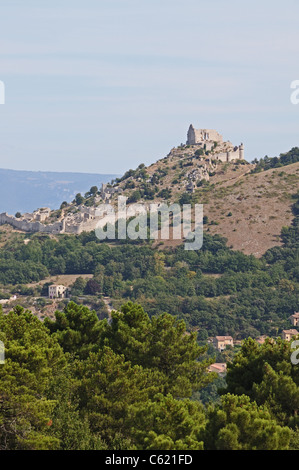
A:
{"points": [[138, 378], [81, 383], [247, 203], [214, 290], [277, 162]]}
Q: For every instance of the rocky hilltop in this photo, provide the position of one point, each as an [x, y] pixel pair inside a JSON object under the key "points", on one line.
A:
{"points": [[246, 206]]}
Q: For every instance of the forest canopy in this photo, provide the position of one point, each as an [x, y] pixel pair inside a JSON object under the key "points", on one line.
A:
{"points": [[77, 382]]}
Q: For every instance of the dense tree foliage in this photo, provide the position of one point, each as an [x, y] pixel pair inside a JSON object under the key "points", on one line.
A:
{"points": [[32, 361], [266, 374], [139, 380], [62, 373], [284, 159], [239, 424], [67, 384], [214, 289], [77, 382]]}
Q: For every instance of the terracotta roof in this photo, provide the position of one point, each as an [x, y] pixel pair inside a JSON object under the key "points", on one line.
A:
{"points": [[220, 366], [223, 338], [261, 339]]}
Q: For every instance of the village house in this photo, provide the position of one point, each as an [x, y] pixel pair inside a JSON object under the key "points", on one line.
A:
{"points": [[287, 335], [261, 339], [221, 342], [219, 368], [58, 292], [295, 319]]}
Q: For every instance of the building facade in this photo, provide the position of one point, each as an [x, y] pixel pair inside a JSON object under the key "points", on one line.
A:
{"points": [[221, 342], [58, 292], [295, 319], [287, 335]]}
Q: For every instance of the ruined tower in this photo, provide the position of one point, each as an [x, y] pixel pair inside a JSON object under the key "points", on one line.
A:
{"points": [[200, 136]]}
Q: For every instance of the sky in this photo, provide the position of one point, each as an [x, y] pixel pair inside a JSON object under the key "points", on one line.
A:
{"points": [[104, 85]]}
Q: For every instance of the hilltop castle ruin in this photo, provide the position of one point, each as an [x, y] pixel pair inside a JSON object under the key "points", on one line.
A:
{"points": [[203, 150], [211, 140]]}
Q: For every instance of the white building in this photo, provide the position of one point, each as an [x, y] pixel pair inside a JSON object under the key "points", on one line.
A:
{"points": [[58, 292]]}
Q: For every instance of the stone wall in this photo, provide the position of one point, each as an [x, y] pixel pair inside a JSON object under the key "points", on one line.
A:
{"points": [[76, 229], [231, 155], [196, 136], [205, 138], [28, 226], [55, 228]]}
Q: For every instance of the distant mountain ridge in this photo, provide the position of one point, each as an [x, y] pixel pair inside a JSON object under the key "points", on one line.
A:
{"points": [[25, 191]]}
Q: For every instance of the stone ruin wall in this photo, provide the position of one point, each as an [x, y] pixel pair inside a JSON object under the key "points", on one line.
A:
{"points": [[55, 228], [76, 229], [206, 138], [201, 136], [230, 155], [26, 226]]}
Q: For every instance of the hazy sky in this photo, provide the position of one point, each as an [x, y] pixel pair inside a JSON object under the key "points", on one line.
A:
{"points": [[104, 85]]}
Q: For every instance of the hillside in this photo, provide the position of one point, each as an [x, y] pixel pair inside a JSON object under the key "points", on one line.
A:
{"points": [[246, 203], [214, 290], [24, 191], [249, 209], [259, 204]]}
